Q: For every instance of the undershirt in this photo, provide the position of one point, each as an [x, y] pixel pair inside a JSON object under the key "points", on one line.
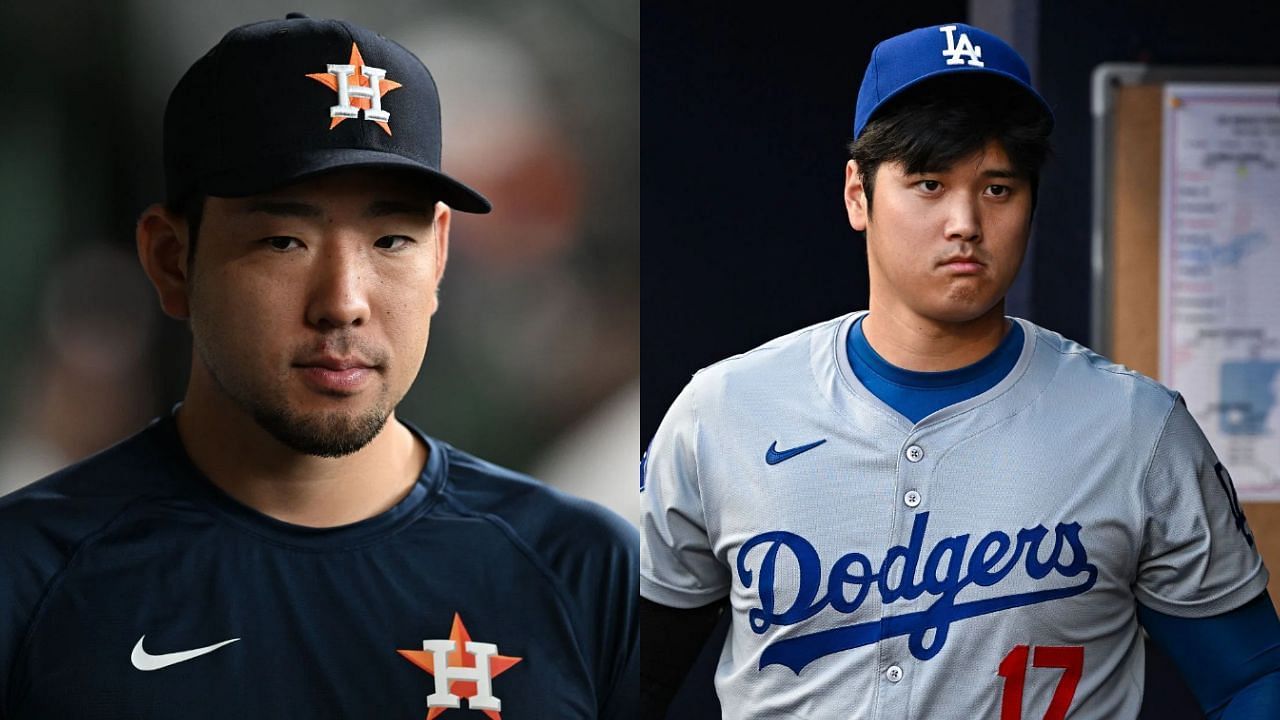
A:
{"points": [[916, 395]]}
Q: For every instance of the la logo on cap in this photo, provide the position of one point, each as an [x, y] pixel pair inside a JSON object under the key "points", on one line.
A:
{"points": [[954, 51], [363, 93]]}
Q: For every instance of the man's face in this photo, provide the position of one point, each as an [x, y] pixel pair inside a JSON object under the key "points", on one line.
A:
{"points": [[944, 245], [311, 305]]}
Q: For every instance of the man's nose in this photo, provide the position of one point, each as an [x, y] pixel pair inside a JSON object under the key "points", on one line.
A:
{"points": [[339, 291], [963, 220]]}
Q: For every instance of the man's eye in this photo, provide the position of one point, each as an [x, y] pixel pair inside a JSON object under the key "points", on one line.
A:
{"points": [[998, 190], [282, 242], [392, 242], [930, 185]]}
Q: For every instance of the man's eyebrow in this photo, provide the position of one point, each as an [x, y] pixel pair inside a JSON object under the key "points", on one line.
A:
{"points": [[381, 208], [996, 172], [284, 208]]}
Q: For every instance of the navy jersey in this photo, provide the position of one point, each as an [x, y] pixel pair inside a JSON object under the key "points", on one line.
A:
{"points": [[131, 587]]}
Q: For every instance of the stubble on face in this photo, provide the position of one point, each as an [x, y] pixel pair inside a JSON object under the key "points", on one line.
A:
{"points": [[329, 434], [964, 295]]}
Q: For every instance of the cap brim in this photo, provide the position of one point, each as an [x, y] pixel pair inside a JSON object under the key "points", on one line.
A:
{"points": [[274, 172]]}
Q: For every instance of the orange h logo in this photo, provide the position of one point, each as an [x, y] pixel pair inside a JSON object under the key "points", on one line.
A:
{"points": [[461, 668], [359, 87]]}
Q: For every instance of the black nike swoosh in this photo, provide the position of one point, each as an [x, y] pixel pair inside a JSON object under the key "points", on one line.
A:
{"points": [[773, 456]]}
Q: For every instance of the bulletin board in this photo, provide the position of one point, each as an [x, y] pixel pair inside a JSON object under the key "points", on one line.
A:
{"points": [[1186, 180]]}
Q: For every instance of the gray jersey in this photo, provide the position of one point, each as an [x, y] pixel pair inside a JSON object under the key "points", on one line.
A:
{"points": [[982, 563]]}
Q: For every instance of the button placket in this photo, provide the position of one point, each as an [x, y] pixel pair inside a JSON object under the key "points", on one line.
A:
{"points": [[912, 483]]}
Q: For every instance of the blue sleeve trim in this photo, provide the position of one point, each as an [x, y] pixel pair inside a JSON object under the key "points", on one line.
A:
{"points": [[1230, 661], [1259, 701]]}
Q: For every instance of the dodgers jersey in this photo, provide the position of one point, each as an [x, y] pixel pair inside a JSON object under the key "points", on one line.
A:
{"points": [[131, 587], [981, 563]]}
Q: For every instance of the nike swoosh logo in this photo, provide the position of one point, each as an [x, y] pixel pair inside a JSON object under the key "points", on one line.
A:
{"points": [[773, 456], [144, 660]]}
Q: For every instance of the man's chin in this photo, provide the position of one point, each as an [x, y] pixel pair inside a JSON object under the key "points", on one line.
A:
{"points": [[964, 308], [331, 434]]}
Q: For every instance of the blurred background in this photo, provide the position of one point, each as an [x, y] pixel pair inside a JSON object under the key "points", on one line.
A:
{"points": [[534, 356], [747, 115]]}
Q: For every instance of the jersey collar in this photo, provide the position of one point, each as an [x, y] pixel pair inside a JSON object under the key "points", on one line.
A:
{"points": [[421, 497]]}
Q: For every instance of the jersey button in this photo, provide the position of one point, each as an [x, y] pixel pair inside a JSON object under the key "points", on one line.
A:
{"points": [[915, 453], [912, 498], [894, 673]]}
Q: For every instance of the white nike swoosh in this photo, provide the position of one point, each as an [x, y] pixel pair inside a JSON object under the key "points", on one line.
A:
{"points": [[144, 660]]}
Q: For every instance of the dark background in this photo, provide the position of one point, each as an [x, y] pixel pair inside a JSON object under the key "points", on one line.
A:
{"points": [[745, 119], [745, 122]]}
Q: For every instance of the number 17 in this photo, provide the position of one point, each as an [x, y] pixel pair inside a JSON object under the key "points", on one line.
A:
{"points": [[1014, 671]]}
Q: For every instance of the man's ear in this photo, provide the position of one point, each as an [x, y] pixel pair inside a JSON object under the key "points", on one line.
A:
{"points": [[441, 229], [162, 249], [855, 197]]}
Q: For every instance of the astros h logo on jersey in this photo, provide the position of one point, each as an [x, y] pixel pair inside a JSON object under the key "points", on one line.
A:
{"points": [[461, 668]]}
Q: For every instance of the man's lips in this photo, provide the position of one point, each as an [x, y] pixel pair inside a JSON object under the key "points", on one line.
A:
{"points": [[334, 375], [335, 363], [966, 264]]}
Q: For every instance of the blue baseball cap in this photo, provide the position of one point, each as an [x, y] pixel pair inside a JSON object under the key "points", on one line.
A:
{"points": [[906, 60]]}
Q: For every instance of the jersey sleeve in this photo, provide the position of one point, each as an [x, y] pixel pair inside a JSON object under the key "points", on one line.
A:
{"points": [[678, 566], [597, 562], [1245, 646], [32, 553], [1198, 554], [22, 579]]}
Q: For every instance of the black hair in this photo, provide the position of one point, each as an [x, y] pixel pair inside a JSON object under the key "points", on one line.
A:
{"points": [[936, 123], [191, 209]]}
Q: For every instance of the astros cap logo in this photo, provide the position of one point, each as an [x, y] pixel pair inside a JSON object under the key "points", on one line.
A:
{"points": [[370, 84]]}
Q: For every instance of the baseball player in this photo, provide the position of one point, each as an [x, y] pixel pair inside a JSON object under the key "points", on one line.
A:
{"points": [[929, 509], [281, 545]]}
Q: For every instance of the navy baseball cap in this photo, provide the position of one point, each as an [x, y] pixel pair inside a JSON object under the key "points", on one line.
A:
{"points": [[278, 101], [905, 60]]}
